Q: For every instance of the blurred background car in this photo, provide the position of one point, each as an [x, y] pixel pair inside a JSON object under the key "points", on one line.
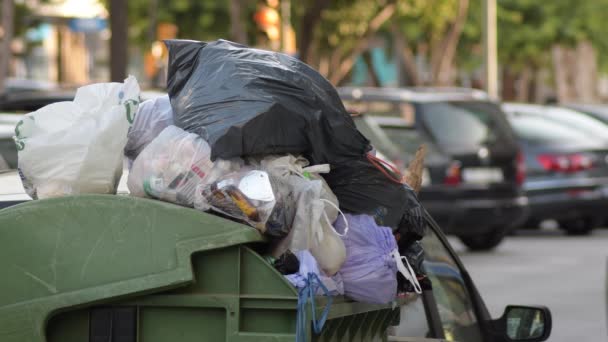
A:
{"points": [[597, 111], [474, 171], [30, 100], [567, 166]]}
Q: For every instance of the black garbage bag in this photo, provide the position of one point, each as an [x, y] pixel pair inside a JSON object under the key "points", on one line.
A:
{"points": [[363, 187], [247, 102]]}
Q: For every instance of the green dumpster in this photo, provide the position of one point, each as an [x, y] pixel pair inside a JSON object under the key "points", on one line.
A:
{"points": [[113, 268]]}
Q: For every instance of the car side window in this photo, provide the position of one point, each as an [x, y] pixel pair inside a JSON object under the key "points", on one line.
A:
{"points": [[453, 300]]}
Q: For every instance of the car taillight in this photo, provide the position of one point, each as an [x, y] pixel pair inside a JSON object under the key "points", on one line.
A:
{"points": [[520, 174], [565, 162], [452, 174]]}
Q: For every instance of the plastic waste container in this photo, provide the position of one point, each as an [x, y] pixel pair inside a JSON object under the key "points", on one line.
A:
{"points": [[113, 268]]}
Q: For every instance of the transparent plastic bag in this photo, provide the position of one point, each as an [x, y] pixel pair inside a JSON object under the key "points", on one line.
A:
{"points": [[153, 116], [316, 208], [246, 195], [172, 166], [75, 147]]}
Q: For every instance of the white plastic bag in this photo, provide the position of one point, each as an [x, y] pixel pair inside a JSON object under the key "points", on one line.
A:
{"points": [[76, 146], [153, 116], [172, 166]]}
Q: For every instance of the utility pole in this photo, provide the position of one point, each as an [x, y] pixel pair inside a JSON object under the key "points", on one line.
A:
{"points": [[489, 48], [8, 7], [118, 44]]}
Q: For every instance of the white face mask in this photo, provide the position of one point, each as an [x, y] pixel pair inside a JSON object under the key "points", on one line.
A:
{"points": [[256, 186], [407, 272]]}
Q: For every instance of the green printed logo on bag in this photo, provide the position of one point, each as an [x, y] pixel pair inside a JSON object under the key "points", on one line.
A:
{"points": [[19, 139], [131, 108]]}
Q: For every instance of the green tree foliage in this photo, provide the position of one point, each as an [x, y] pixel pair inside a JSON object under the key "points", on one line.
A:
{"points": [[527, 29], [200, 20]]}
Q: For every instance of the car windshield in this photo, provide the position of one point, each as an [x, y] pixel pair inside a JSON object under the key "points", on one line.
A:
{"points": [[408, 139], [462, 123], [541, 129], [576, 120]]}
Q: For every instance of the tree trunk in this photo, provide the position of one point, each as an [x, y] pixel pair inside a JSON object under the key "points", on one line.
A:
{"points": [[119, 41], [153, 20], [367, 58], [585, 72], [508, 84], [237, 29], [8, 8], [347, 63], [443, 71], [562, 65], [406, 55], [523, 85], [307, 28]]}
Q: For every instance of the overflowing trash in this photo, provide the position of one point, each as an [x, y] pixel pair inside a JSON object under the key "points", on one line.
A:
{"points": [[253, 136]]}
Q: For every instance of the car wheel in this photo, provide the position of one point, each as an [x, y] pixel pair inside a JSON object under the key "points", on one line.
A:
{"points": [[484, 242], [578, 226]]}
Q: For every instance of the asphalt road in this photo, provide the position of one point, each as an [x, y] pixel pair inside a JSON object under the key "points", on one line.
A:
{"points": [[567, 274]]}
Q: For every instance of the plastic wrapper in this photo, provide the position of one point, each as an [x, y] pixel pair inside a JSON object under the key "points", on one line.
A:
{"points": [[366, 188], [173, 165], [74, 147], [369, 272], [153, 116], [249, 102], [246, 195]]}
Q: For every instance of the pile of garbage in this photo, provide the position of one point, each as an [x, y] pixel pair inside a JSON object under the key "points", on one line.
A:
{"points": [[253, 136]]}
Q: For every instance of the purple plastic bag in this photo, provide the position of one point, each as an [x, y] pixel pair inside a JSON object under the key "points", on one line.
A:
{"points": [[369, 273]]}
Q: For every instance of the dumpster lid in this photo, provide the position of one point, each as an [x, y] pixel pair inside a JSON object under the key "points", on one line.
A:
{"points": [[72, 251]]}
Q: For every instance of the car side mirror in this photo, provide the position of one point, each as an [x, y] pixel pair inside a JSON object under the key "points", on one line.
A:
{"points": [[525, 323]]}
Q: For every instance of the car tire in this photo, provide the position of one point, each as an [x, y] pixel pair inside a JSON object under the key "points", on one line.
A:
{"points": [[578, 226], [484, 242]]}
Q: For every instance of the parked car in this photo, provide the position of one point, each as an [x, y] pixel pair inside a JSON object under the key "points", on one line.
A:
{"points": [[567, 166], [474, 169], [30, 100]]}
